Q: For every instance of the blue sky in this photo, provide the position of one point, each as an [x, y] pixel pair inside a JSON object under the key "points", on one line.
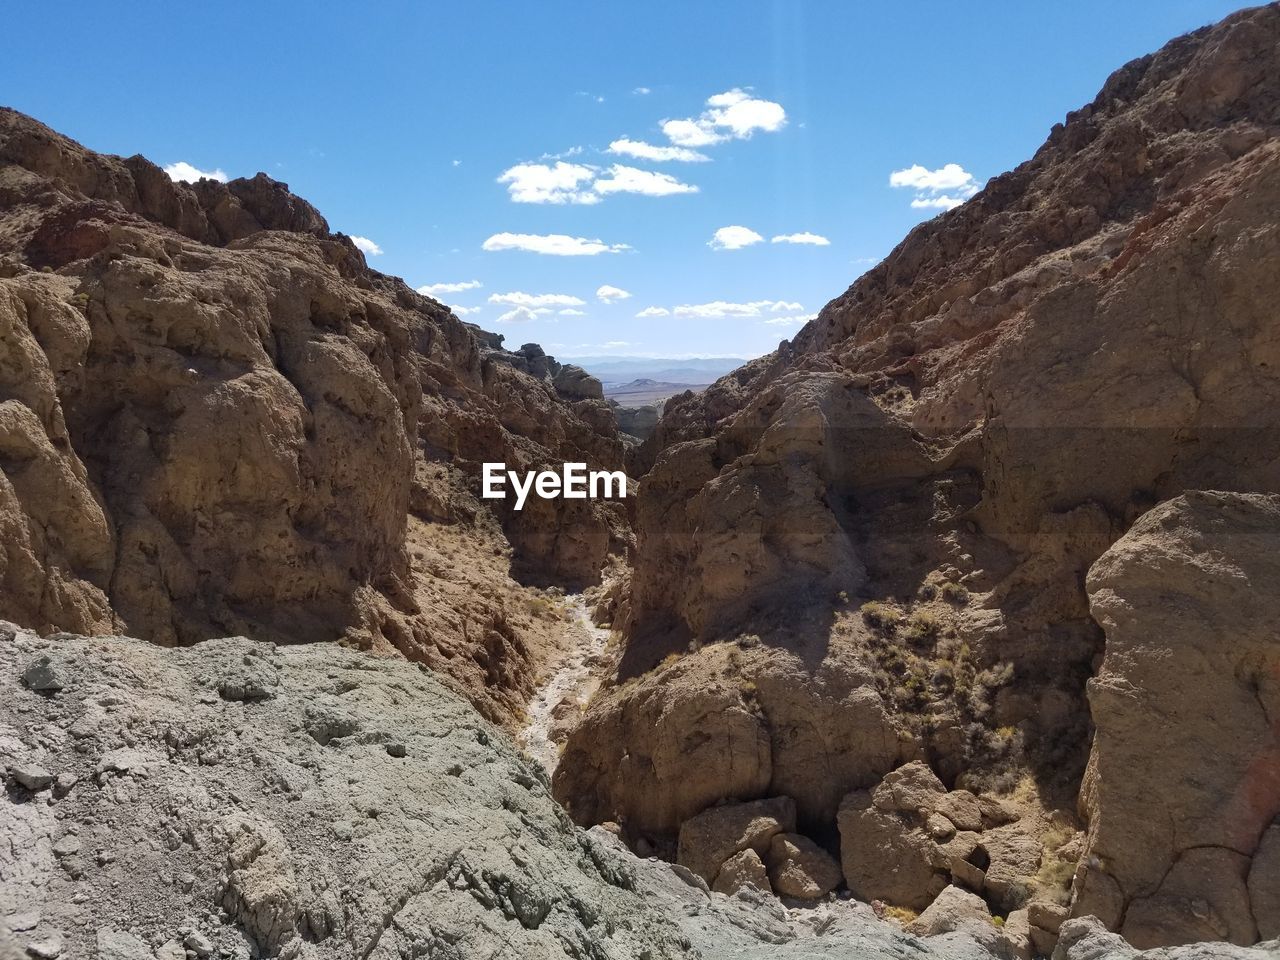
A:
{"points": [[398, 120]]}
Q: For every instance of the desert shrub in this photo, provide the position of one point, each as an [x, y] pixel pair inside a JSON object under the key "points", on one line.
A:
{"points": [[955, 593], [924, 625], [880, 615]]}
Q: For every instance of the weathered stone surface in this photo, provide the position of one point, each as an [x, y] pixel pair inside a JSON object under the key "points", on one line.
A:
{"points": [[217, 419], [740, 870], [1264, 884], [800, 868], [1188, 598], [989, 408], [953, 909], [713, 836], [887, 856]]}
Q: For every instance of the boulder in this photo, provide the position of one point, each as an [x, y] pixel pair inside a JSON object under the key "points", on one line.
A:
{"points": [[1264, 884], [574, 383], [708, 840], [912, 788], [1190, 601], [800, 868], [740, 870], [953, 909], [887, 856]]}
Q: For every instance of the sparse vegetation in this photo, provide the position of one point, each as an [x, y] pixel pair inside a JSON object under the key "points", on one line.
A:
{"points": [[902, 915], [955, 594], [881, 616], [923, 626]]}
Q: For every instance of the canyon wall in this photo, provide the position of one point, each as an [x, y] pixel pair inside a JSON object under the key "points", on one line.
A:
{"points": [[871, 546], [217, 419]]}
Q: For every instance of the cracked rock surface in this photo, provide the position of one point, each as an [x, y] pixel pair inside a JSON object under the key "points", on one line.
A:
{"points": [[352, 807]]}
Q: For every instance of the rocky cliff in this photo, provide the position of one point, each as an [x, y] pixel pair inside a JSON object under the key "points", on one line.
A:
{"points": [[869, 548], [216, 418]]}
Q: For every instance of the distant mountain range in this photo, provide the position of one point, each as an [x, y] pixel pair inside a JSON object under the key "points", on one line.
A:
{"points": [[618, 370]]}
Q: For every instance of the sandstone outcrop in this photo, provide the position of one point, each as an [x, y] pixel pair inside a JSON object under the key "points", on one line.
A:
{"points": [[216, 418], [948, 448], [1183, 849]]}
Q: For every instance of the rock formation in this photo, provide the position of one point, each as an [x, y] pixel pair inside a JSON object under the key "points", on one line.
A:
{"points": [[217, 419], [237, 799], [1184, 848], [869, 548]]}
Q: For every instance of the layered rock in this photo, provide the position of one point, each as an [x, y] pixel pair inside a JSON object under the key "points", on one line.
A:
{"points": [[1182, 792], [215, 418]]}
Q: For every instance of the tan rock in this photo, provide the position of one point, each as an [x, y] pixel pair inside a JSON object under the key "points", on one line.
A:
{"points": [[912, 788], [1264, 884], [1015, 936], [1186, 598], [953, 909], [742, 869], [708, 840], [800, 868], [962, 808], [886, 856]]}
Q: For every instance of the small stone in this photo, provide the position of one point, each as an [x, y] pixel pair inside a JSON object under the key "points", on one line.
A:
{"points": [[22, 922], [115, 944], [199, 943], [171, 950], [68, 845], [124, 760], [44, 675], [47, 949], [186, 882], [940, 828], [396, 749], [31, 776]]}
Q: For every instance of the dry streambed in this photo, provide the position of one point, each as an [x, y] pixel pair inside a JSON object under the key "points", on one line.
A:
{"points": [[571, 682]]}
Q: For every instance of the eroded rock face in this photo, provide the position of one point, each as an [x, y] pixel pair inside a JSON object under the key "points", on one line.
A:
{"points": [[215, 418], [976, 421], [1183, 785]]}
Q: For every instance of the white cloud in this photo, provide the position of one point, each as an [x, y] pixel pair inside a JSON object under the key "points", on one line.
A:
{"points": [[734, 114], [523, 314], [554, 244], [790, 321], [186, 173], [944, 189], [457, 163], [624, 179], [367, 246], [465, 311], [518, 299], [435, 289], [720, 308], [540, 183], [654, 312], [733, 238], [570, 312], [642, 91], [609, 294], [648, 151], [943, 202], [812, 239], [947, 177]]}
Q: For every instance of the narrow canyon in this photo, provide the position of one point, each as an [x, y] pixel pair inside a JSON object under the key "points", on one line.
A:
{"points": [[949, 629]]}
